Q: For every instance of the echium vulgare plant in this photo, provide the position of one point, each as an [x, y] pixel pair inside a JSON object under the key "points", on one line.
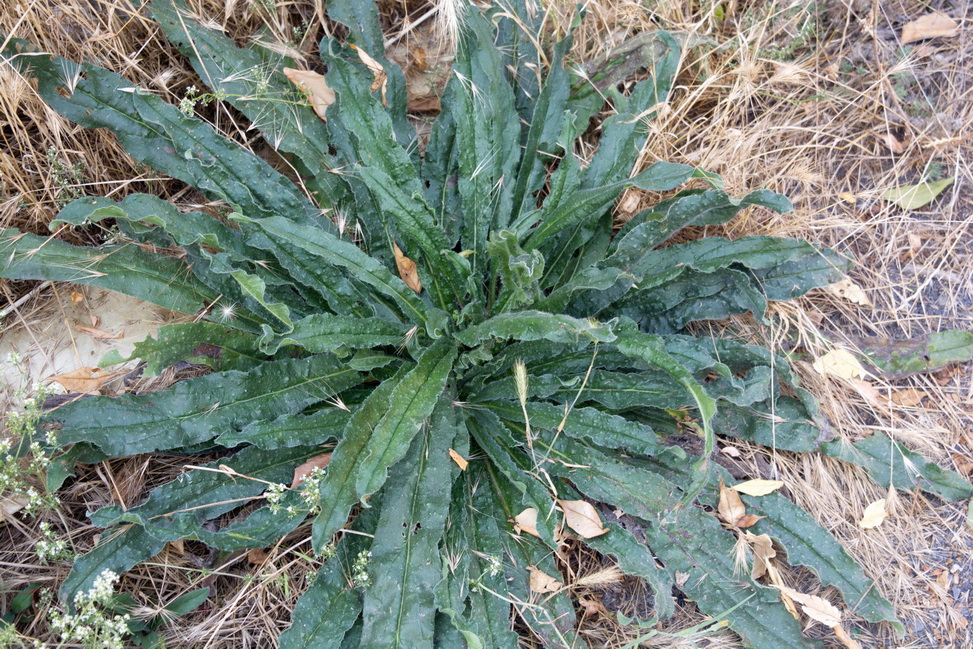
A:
{"points": [[533, 377]]}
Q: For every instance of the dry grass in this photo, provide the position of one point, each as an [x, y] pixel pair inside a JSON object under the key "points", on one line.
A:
{"points": [[777, 94]]}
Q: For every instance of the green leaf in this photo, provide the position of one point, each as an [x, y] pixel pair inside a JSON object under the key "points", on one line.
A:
{"points": [[159, 135], [634, 558], [913, 197], [253, 83], [405, 562], [127, 269], [537, 325], [808, 544], [321, 333], [208, 343], [584, 203], [378, 435], [197, 410], [409, 405], [920, 355], [119, 550], [188, 602], [891, 464], [289, 430]]}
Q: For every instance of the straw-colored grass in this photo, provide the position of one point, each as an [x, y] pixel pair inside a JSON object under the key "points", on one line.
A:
{"points": [[800, 98]]}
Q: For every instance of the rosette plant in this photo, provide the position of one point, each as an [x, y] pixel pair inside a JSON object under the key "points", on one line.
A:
{"points": [[492, 368]]}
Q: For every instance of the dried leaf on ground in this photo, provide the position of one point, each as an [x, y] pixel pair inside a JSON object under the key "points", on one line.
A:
{"points": [[909, 397], [840, 363], [848, 290], [86, 380], [816, 608], [317, 462], [526, 521], [894, 144], [748, 520], [913, 197], [541, 582], [407, 269], [77, 297], [582, 517], [929, 26], [460, 461], [758, 487], [381, 79], [874, 515], [320, 94], [763, 552], [11, 504], [98, 334], [730, 508], [258, 556]]}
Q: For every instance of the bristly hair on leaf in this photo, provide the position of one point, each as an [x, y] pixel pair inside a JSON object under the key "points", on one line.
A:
{"points": [[485, 310]]}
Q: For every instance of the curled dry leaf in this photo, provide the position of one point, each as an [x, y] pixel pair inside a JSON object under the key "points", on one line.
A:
{"points": [[747, 520], [11, 504], [98, 334], [582, 517], [874, 515], [460, 461], [526, 521], [816, 608], [848, 290], [763, 552], [258, 556], [894, 144], [86, 380], [840, 363], [316, 462], [320, 94], [758, 487], [407, 269], [541, 582], [381, 79], [929, 26], [909, 397], [730, 508]]}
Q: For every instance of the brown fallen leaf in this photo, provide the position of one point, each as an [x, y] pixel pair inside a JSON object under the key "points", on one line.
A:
{"points": [[730, 508], [582, 517], [98, 334], [460, 461], [381, 79], [816, 608], [86, 380], [316, 462], [407, 269], [258, 556], [319, 93], [869, 391], [11, 504], [840, 363], [747, 520], [763, 552], [178, 546], [929, 26], [848, 290], [964, 464], [758, 487], [909, 397], [874, 515], [526, 521], [77, 297], [541, 582], [894, 144]]}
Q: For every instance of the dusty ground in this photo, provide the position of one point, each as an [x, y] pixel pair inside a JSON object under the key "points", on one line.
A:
{"points": [[821, 101]]}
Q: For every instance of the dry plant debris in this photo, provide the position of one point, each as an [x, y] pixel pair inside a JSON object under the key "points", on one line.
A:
{"points": [[801, 124]]}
